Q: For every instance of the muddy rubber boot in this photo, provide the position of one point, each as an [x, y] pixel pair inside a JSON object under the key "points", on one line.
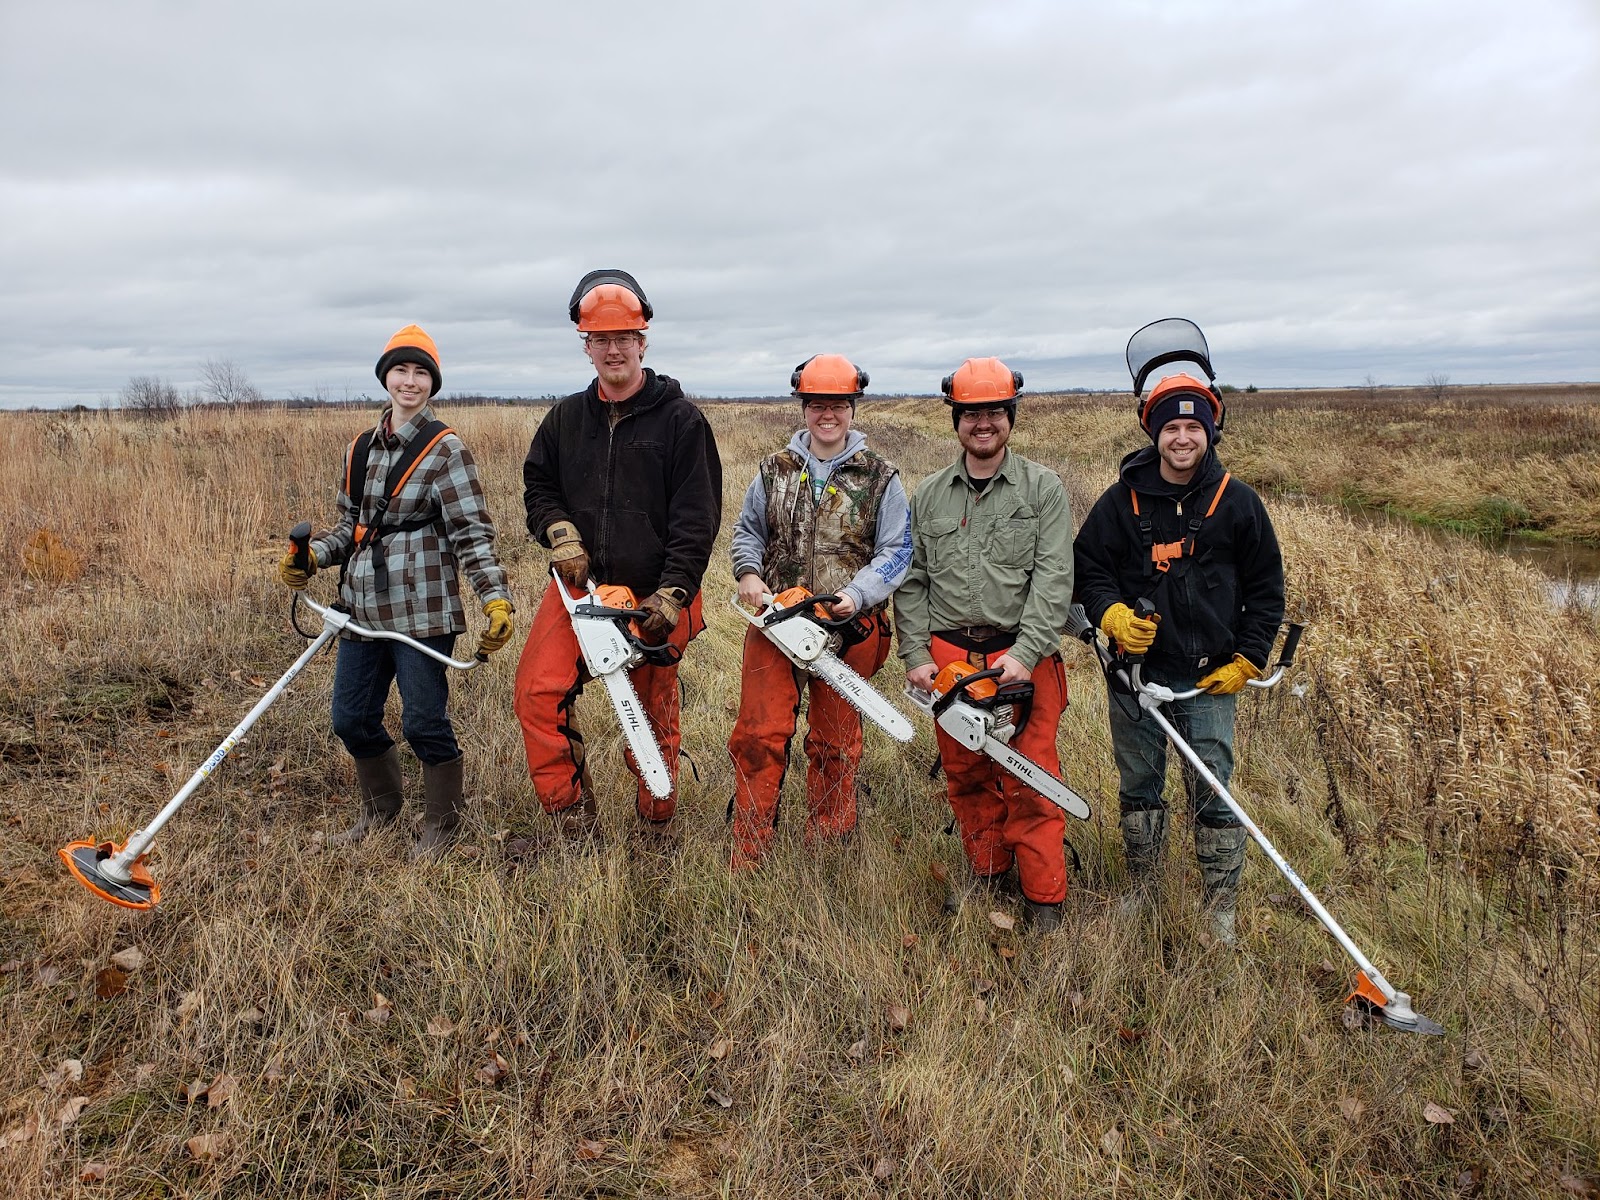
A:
{"points": [[579, 820], [441, 814], [1041, 918], [1220, 853], [381, 796], [1144, 838]]}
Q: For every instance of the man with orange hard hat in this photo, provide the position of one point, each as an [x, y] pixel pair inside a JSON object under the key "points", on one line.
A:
{"points": [[623, 483], [990, 585], [827, 514]]}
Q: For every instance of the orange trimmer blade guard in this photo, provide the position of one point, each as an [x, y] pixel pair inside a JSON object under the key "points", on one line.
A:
{"points": [[85, 860]]}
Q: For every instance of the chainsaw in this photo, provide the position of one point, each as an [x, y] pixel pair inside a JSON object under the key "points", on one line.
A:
{"points": [[809, 636], [969, 706], [603, 624]]}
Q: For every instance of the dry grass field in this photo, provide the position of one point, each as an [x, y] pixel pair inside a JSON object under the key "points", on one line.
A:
{"points": [[525, 1020]]}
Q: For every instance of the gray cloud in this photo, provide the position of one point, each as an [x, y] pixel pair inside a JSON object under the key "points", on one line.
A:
{"points": [[1331, 191]]}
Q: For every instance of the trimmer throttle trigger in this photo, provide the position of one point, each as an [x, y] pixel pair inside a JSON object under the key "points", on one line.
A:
{"points": [[1145, 609], [300, 543]]}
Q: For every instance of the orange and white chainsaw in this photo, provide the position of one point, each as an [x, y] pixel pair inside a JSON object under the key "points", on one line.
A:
{"points": [[984, 716], [603, 624], [799, 625]]}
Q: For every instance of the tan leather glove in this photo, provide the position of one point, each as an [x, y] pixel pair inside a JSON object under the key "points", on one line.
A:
{"points": [[1230, 677], [499, 631], [292, 575], [1133, 634], [660, 610], [567, 555]]}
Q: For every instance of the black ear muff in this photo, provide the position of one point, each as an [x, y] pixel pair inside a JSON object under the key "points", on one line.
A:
{"points": [[862, 379], [948, 384], [1016, 381], [794, 379]]}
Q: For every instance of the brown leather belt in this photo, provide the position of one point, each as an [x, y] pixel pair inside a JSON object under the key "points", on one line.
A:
{"points": [[978, 641]]}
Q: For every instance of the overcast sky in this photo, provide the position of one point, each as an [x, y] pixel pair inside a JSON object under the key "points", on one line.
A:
{"points": [[1331, 190]]}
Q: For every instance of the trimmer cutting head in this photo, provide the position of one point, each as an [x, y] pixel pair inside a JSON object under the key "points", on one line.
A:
{"points": [[87, 859], [1396, 1013]]}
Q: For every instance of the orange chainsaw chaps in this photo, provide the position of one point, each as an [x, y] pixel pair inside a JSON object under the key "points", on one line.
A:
{"points": [[954, 672]]}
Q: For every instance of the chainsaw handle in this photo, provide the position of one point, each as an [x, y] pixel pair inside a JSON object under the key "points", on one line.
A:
{"points": [[806, 606], [300, 545], [961, 685]]}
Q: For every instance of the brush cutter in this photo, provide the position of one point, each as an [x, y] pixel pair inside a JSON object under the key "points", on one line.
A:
{"points": [[799, 625], [1372, 991], [603, 625], [121, 874], [969, 706]]}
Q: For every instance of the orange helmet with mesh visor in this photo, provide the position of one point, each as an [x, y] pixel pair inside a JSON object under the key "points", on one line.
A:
{"points": [[609, 300]]}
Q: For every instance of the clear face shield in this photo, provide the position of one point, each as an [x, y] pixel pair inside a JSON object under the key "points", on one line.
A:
{"points": [[1170, 346]]}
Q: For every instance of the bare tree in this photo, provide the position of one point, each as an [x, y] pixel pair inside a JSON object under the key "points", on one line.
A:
{"points": [[149, 396], [1435, 385], [223, 382], [1370, 383]]}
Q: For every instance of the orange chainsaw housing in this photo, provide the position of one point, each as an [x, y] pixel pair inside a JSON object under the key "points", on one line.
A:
{"points": [[955, 672]]}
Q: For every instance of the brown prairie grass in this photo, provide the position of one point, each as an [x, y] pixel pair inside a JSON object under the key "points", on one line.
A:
{"points": [[527, 1020]]}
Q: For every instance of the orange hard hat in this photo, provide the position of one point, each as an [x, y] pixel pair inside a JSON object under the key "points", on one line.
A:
{"points": [[1176, 388], [958, 670], [609, 300], [983, 381], [828, 375]]}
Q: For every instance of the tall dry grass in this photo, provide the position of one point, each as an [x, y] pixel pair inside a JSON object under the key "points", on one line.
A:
{"points": [[526, 1020]]}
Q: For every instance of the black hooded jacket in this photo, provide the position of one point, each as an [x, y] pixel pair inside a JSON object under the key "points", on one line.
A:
{"points": [[1225, 599], [646, 495]]}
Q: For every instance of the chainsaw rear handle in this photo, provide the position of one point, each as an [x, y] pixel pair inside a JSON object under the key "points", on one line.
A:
{"points": [[300, 544], [961, 685]]}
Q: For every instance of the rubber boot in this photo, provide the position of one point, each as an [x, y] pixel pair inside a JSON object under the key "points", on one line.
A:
{"points": [[441, 815], [1144, 839], [1042, 918], [1221, 856], [381, 796]]}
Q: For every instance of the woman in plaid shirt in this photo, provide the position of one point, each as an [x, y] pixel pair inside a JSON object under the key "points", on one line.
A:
{"points": [[400, 569]]}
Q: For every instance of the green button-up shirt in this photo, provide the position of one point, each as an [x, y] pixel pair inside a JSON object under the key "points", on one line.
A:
{"points": [[1002, 558]]}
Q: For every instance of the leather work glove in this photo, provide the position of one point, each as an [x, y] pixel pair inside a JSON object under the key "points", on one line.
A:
{"points": [[567, 555], [499, 631], [292, 575], [1134, 634], [1230, 677], [659, 613]]}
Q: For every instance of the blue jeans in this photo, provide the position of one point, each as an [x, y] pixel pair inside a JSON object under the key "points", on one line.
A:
{"points": [[1206, 723], [361, 678]]}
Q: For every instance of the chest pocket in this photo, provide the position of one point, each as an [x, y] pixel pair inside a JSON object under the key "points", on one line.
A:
{"points": [[941, 538], [1015, 540]]}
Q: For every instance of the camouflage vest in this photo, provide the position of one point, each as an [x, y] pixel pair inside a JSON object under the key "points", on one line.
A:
{"points": [[821, 544]]}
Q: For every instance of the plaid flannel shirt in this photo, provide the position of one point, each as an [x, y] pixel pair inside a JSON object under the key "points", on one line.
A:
{"points": [[423, 597]]}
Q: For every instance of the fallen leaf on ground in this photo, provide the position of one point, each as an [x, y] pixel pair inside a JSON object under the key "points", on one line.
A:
{"points": [[1577, 1185], [405, 1088], [1131, 1034], [143, 1074], [937, 870], [714, 1001], [207, 1147], [10, 965], [722, 1099], [493, 1071], [68, 1112], [273, 1075], [130, 959], [110, 982], [194, 1090], [1005, 952], [94, 1172], [1075, 999], [48, 976], [1068, 1075], [883, 1168], [1470, 1180], [1351, 1109], [857, 1050], [589, 1149], [909, 941], [221, 1090], [1111, 1142], [1435, 1114], [1002, 920], [69, 1070], [441, 1026], [898, 1016], [719, 1048], [382, 1010], [188, 1006], [20, 1133], [1474, 1060], [983, 986]]}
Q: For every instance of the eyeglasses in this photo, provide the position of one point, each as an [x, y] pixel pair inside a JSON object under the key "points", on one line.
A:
{"points": [[972, 415], [837, 408], [604, 341]]}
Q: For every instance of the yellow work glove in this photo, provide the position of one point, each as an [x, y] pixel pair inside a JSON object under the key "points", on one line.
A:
{"points": [[499, 631], [567, 554], [292, 575], [660, 611], [1230, 677], [1133, 634]]}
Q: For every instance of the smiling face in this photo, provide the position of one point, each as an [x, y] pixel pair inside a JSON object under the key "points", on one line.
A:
{"points": [[1181, 445], [983, 434], [409, 385], [828, 422], [618, 358]]}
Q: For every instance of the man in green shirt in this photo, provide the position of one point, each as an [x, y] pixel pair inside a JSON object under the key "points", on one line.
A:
{"points": [[990, 584]]}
